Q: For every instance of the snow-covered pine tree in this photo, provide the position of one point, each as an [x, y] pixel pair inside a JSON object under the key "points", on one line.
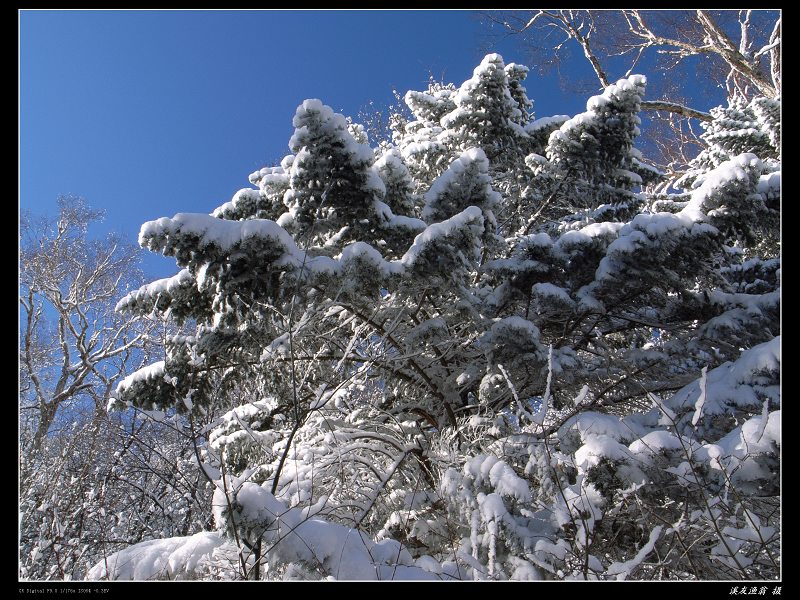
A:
{"points": [[741, 198], [465, 183], [600, 393], [516, 75], [264, 203], [486, 115], [418, 139], [332, 186], [591, 167], [768, 117], [335, 193], [738, 128], [491, 112], [397, 180]]}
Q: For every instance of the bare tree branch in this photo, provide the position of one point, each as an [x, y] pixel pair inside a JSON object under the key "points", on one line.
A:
{"points": [[62, 273], [678, 109], [724, 46]]}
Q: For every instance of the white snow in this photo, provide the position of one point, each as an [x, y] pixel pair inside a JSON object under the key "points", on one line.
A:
{"points": [[161, 286], [756, 435], [515, 323], [735, 169], [701, 399], [644, 230], [389, 219], [150, 372], [598, 447], [490, 68], [633, 178], [623, 569], [501, 477], [361, 251], [470, 217], [218, 232], [545, 122], [339, 551], [169, 558], [456, 178], [552, 291], [226, 235], [769, 183], [241, 197], [541, 414], [730, 383], [605, 228], [595, 424], [655, 442]]}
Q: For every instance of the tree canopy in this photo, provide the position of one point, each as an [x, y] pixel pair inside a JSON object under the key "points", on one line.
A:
{"points": [[486, 350]]}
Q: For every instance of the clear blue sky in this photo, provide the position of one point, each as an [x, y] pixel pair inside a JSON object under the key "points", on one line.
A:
{"points": [[150, 113]]}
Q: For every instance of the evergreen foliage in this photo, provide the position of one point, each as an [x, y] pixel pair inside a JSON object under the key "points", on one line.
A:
{"points": [[483, 352]]}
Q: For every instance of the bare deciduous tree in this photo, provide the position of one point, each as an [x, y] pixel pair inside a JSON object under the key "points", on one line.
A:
{"points": [[688, 55], [90, 483], [73, 346]]}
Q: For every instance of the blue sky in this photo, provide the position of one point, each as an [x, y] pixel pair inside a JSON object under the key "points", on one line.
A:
{"points": [[150, 113]]}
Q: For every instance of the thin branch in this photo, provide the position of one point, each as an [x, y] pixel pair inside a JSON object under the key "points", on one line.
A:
{"points": [[673, 107]]}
